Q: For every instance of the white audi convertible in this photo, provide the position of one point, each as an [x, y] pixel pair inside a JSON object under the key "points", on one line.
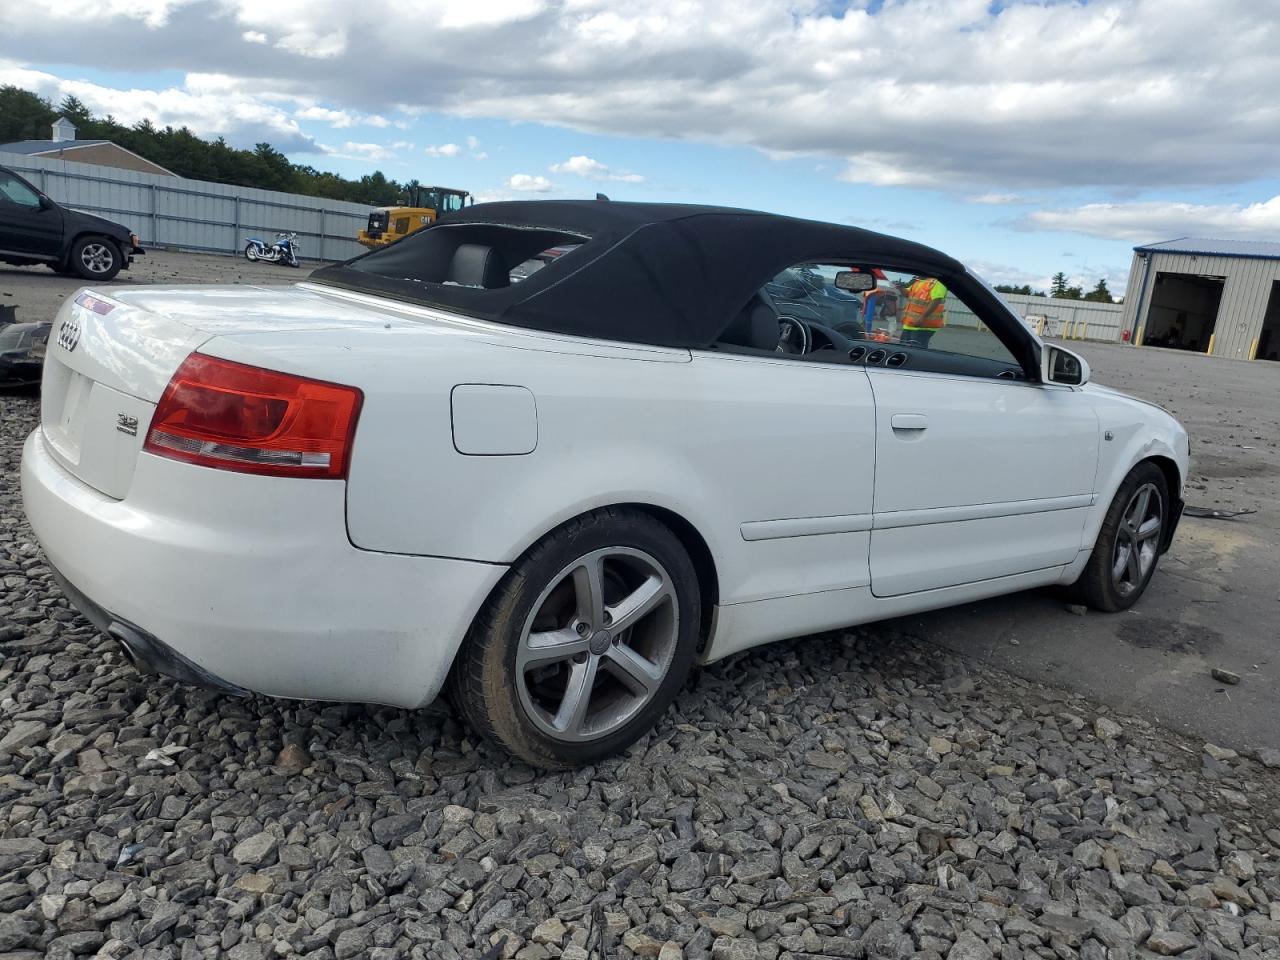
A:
{"points": [[547, 456]]}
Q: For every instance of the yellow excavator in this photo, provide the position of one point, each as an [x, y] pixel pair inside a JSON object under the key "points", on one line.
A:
{"points": [[422, 206]]}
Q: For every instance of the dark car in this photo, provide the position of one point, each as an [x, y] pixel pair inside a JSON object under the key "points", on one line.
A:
{"points": [[34, 229], [22, 347], [806, 295]]}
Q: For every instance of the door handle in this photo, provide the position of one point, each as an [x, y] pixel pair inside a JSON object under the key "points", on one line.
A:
{"points": [[909, 421]]}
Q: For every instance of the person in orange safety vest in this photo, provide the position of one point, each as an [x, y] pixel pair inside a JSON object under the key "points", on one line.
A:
{"points": [[926, 311]]}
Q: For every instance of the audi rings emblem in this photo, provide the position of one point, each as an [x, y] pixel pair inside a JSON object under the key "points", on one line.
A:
{"points": [[69, 334]]}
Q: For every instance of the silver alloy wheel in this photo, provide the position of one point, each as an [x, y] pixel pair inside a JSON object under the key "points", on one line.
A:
{"points": [[1137, 539], [598, 644], [97, 257]]}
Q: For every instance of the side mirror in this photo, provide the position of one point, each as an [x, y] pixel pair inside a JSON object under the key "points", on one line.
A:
{"points": [[1059, 365], [45, 203], [855, 281]]}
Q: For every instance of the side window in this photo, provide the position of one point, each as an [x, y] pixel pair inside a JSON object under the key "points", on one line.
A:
{"points": [[920, 311], [15, 191], [859, 313], [800, 313]]}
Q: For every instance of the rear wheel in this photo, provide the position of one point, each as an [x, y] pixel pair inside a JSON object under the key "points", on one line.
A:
{"points": [[1128, 546], [585, 643], [95, 258]]}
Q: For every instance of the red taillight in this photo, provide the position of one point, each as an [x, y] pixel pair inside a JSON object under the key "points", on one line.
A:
{"points": [[235, 417]]}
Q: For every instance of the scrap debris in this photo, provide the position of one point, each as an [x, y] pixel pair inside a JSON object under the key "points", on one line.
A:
{"points": [[1206, 513]]}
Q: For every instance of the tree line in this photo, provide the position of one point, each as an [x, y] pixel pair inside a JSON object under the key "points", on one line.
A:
{"points": [[28, 116], [1062, 290]]}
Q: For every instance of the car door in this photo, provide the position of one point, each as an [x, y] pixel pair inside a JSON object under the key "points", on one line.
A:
{"points": [[792, 421], [28, 227], [980, 474]]}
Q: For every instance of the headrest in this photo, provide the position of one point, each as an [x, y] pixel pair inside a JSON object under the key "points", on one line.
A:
{"points": [[477, 265], [756, 326]]}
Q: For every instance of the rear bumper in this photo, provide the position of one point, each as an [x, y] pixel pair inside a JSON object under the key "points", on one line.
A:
{"points": [[147, 653], [248, 583]]}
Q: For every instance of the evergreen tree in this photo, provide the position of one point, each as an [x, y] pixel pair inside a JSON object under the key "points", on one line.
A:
{"points": [[24, 115], [1100, 293], [1023, 289], [74, 110], [1058, 286]]}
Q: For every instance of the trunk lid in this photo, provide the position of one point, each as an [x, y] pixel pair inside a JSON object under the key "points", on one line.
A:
{"points": [[111, 354]]}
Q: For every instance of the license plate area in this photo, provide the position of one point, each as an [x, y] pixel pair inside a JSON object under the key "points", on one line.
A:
{"points": [[95, 431], [63, 396]]}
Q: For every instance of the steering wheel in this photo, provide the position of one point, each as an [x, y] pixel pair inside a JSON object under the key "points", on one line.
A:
{"points": [[794, 336]]}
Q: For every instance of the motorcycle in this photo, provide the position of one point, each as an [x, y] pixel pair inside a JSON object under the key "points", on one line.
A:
{"points": [[284, 250]]}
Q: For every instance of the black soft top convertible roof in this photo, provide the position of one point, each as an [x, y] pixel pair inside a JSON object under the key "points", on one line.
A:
{"points": [[665, 274]]}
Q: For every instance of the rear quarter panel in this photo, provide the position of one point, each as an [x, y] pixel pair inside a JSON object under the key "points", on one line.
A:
{"points": [[718, 440]]}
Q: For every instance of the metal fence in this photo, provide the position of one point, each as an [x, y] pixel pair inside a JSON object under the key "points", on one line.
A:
{"points": [[1068, 319], [183, 214]]}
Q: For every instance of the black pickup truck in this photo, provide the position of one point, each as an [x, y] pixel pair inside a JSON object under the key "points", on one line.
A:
{"points": [[34, 229]]}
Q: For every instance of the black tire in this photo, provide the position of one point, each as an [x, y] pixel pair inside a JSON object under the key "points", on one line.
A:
{"points": [[95, 258], [1099, 586], [495, 696]]}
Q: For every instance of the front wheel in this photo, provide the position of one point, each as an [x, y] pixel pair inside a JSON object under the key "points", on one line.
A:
{"points": [[585, 642], [95, 258], [1128, 546], [251, 252]]}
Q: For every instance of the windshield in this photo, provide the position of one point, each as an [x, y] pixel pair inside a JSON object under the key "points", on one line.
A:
{"points": [[16, 337]]}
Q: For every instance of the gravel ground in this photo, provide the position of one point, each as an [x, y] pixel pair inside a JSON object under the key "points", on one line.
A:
{"points": [[857, 795]]}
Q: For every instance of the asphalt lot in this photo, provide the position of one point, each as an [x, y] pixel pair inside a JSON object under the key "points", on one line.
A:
{"points": [[1214, 601]]}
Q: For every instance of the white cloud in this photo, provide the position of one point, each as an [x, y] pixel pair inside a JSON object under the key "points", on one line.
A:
{"points": [[315, 44], [153, 13], [254, 36], [1015, 95], [996, 199], [371, 152], [1002, 273], [210, 104], [583, 166], [444, 150], [1152, 220], [1084, 277], [528, 183], [339, 119]]}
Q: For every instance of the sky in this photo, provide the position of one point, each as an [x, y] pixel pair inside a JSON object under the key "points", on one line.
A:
{"points": [[1024, 138]]}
